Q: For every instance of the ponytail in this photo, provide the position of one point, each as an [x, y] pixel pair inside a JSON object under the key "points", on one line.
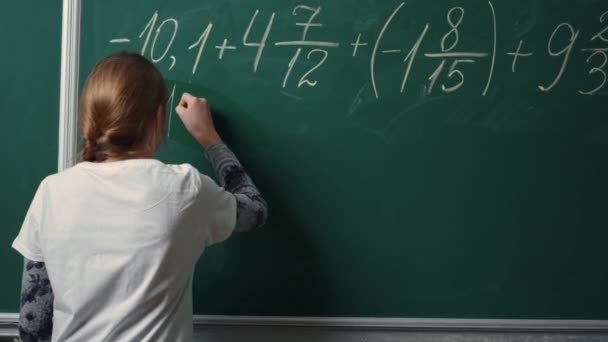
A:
{"points": [[118, 109]]}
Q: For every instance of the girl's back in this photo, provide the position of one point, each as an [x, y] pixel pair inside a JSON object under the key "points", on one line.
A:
{"points": [[115, 238], [120, 240]]}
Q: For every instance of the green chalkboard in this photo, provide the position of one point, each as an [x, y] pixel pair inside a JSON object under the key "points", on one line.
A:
{"points": [[29, 103], [420, 159]]}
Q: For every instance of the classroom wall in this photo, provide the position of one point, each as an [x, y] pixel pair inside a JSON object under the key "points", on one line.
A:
{"points": [[29, 117]]}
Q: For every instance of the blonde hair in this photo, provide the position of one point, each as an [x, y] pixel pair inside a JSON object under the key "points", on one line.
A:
{"points": [[118, 107]]}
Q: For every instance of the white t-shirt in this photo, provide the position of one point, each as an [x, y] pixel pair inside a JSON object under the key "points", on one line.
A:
{"points": [[120, 241]]}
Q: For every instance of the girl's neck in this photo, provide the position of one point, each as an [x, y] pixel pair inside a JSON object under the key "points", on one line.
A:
{"points": [[132, 155]]}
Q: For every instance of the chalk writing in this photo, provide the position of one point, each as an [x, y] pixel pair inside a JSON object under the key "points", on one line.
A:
{"points": [[309, 47]]}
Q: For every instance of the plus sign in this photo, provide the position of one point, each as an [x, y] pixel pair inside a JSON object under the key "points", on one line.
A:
{"points": [[224, 47], [517, 54], [357, 44]]}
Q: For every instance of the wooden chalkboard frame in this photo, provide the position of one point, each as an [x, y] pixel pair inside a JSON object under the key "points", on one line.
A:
{"points": [[68, 144]]}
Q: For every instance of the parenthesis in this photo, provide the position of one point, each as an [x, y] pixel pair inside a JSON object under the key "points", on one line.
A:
{"points": [[373, 58], [485, 91]]}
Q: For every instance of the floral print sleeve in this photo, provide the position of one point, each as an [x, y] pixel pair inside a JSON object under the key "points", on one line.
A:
{"points": [[36, 314], [251, 207]]}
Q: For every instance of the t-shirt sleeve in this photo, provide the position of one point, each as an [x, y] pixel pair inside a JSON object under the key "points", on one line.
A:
{"points": [[28, 240], [218, 209]]}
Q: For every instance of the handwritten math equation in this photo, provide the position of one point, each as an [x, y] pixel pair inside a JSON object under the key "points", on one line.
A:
{"points": [[447, 77]]}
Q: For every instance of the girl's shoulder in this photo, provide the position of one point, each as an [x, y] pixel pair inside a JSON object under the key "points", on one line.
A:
{"points": [[145, 170]]}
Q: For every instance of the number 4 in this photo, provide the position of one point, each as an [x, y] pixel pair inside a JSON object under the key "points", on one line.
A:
{"points": [[262, 43]]}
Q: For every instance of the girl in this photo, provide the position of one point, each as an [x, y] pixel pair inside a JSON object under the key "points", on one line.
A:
{"points": [[110, 244]]}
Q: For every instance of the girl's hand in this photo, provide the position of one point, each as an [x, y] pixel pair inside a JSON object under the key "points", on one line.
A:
{"points": [[196, 116]]}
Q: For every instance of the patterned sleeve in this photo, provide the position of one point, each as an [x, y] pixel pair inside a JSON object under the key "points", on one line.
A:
{"points": [[252, 210], [36, 314]]}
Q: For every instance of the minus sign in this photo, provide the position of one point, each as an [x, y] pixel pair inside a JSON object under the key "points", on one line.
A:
{"points": [[120, 40], [457, 54], [391, 51], [596, 49]]}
